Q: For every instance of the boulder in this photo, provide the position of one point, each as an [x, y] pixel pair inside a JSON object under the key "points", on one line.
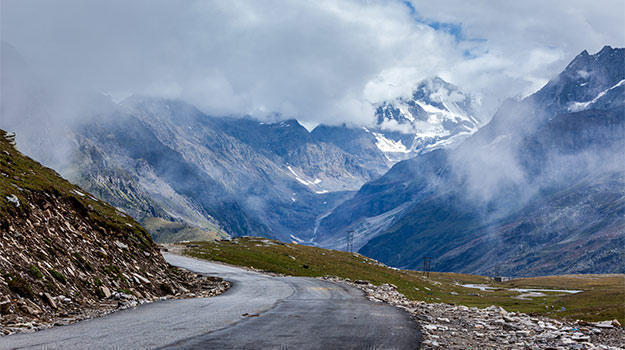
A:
{"points": [[105, 292]]}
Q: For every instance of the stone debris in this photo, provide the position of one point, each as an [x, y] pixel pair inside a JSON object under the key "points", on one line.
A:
{"points": [[121, 245], [140, 279], [59, 264], [447, 326], [105, 292], [10, 137], [20, 314], [13, 199]]}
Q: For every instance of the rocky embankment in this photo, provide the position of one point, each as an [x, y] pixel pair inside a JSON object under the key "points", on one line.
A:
{"points": [[66, 256], [446, 326]]}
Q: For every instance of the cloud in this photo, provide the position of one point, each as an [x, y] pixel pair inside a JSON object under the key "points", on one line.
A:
{"points": [[514, 48], [318, 61]]}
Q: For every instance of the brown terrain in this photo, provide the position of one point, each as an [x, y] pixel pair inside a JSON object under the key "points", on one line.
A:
{"points": [[66, 256]]}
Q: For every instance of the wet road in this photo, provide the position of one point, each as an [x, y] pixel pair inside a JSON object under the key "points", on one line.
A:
{"points": [[257, 312]]}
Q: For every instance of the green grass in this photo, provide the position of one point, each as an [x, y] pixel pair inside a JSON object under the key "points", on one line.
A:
{"points": [[603, 296], [58, 276], [169, 232]]}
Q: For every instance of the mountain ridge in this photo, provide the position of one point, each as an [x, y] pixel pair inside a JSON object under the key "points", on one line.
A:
{"points": [[529, 155], [166, 163]]}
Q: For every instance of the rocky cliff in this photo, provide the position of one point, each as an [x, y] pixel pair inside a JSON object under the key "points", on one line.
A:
{"points": [[65, 255]]}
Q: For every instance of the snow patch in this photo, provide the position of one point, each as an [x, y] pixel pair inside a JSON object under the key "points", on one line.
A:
{"points": [[301, 180], [389, 146], [580, 106], [308, 183], [296, 239], [406, 113]]}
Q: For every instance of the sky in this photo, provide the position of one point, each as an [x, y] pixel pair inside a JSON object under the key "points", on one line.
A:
{"points": [[318, 61]]}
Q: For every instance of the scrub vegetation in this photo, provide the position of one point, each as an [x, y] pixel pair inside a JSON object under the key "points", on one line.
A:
{"points": [[602, 297]]}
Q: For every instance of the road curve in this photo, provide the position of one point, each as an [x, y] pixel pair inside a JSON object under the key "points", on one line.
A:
{"points": [[282, 313]]}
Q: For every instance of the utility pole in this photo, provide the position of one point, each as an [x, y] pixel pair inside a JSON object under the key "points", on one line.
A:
{"points": [[427, 266], [350, 241]]}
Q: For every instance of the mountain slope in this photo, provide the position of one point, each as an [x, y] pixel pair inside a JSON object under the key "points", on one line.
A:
{"points": [[63, 252], [541, 183], [183, 173], [195, 168]]}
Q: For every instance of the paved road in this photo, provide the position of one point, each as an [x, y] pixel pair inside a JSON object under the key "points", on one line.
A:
{"points": [[283, 313]]}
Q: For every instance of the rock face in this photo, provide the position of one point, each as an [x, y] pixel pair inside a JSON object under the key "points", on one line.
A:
{"points": [[65, 255], [446, 326], [187, 175], [166, 159], [239, 176], [539, 190]]}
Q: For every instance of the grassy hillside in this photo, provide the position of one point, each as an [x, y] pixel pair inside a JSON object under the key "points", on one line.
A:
{"points": [[603, 296], [64, 253], [165, 231], [22, 176]]}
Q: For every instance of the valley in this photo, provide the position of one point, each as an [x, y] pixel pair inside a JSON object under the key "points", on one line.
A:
{"points": [[430, 178], [344, 174], [600, 299], [540, 180], [453, 310], [536, 191]]}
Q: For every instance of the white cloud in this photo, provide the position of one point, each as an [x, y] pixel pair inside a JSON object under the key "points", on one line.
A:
{"points": [[318, 61], [520, 45]]}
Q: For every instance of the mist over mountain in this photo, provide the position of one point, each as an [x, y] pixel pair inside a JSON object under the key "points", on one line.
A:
{"points": [[427, 177], [538, 190], [164, 161], [436, 114]]}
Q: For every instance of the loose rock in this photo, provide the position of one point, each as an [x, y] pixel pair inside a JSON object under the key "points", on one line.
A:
{"points": [[446, 326]]}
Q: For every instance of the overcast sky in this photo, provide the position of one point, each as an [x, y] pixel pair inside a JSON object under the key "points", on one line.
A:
{"points": [[317, 61]]}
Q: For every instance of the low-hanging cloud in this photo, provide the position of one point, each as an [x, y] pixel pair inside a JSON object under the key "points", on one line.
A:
{"points": [[514, 48], [320, 61]]}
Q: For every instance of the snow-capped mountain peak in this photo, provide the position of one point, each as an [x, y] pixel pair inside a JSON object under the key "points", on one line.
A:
{"points": [[437, 114]]}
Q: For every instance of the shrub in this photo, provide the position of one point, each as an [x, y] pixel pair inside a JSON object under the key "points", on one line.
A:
{"points": [[100, 293], [19, 285], [34, 272], [166, 288], [58, 276]]}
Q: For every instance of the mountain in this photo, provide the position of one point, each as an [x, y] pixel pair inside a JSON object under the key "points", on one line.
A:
{"points": [[539, 190], [187, 175], [589, 81], [244, 176], [239, 175], [63, 252], [437, 114]]}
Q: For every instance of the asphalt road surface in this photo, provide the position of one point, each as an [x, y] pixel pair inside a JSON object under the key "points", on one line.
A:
{"points": [[257, 312]]}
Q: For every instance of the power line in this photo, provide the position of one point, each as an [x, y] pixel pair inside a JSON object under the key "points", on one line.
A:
{"points": [[350, 241], [427, 266]]}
